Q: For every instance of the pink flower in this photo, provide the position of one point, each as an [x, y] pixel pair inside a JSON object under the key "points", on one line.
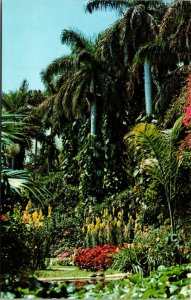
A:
{"points": [[187, 116]]}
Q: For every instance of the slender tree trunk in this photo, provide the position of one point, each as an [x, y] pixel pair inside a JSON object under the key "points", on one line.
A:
{"points": [[36, 147], [148, 90], [171, 216], [12, 163], [51, 152], [93, 117], [169, 198]]}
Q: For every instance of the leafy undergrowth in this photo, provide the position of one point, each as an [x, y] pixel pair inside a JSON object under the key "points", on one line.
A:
{"points": [[173, 283]]}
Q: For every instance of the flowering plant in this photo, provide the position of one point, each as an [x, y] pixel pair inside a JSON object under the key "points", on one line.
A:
{"points": [[3, 218], [187, 116], [187, 107], [109, 226], [65, 258], [96, 259]]}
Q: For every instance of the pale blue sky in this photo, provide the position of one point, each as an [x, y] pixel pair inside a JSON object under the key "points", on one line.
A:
{"points": [[31, 35]]}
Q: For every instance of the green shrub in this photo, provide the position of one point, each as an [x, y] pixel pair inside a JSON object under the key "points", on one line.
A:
{"points": [[23, 247], [150, 249], [65, 233]]}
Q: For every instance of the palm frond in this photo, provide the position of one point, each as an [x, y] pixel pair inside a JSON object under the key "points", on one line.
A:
{"points": [[87, 58], [155, 51], [110, 48], [174, 133], [147, 141], [76, 40], [119, 5], [61, 65], [12, 128], [21, 179], [173, 82], [177, 15]]}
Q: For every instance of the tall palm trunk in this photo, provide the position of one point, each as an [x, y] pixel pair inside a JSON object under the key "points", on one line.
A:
{"points": [[12, 163], [148, 90], [36, 147], [93, 110], [36, 150]]}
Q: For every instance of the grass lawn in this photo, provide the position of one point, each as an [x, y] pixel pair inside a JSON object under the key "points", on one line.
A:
{"points": [[69, 271]]}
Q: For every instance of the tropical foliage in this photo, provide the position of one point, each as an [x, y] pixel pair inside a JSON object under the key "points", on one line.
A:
{"points": [[106, 150], [164, 283]]}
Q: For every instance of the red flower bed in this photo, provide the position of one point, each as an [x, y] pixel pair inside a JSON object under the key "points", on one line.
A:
{"points": [[96, 259]]}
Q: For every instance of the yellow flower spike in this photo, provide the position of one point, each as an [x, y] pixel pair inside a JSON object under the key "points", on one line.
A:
{"points": [[49, 211], [113, 210], [41, 217], [101, 226], [118, 223], [30, 220], [92, 225], [119, 215], [28, 205], [35, 216], [98, 221]]}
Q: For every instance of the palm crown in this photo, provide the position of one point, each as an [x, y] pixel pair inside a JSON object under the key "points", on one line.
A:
{"points": [[80, 79]]}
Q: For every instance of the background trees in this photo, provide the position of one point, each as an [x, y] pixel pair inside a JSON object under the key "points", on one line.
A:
{"points": [[23, 102], [83, 80], [138, 26]]}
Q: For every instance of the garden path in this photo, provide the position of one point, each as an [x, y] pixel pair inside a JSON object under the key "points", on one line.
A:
{"points": [[84, 278]]}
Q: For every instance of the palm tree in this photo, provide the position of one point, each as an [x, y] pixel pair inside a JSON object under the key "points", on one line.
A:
{"points": [[80, 81], [23, 102], [157, 151], [175, 30], [172, 48], [14, 130], [139, 25]]}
